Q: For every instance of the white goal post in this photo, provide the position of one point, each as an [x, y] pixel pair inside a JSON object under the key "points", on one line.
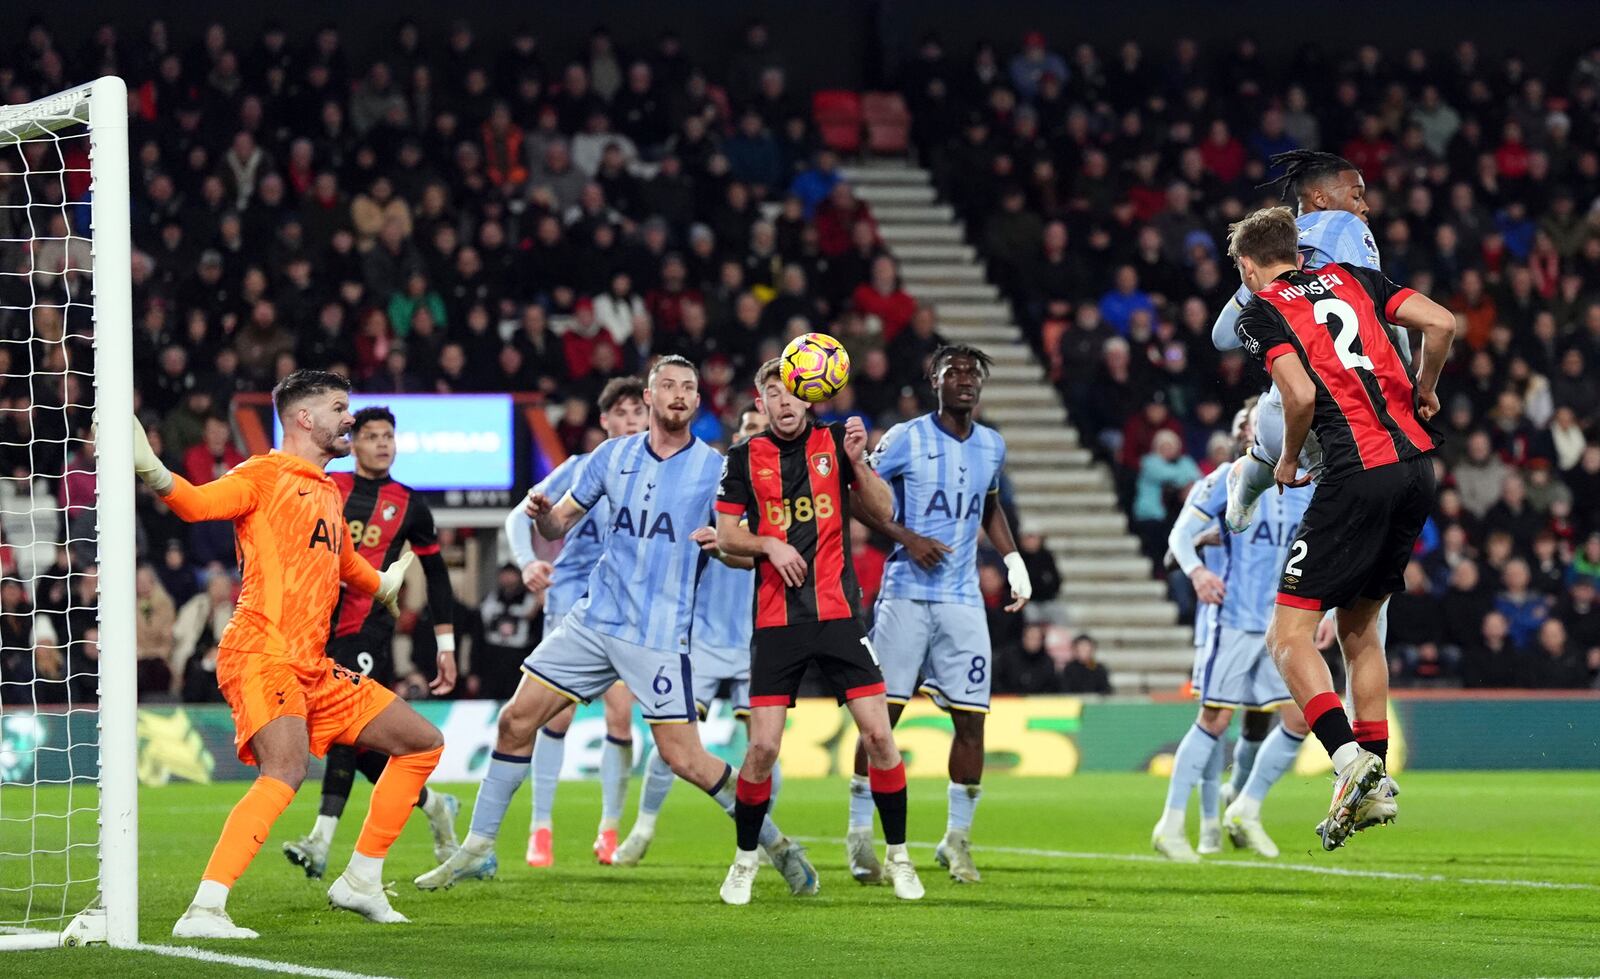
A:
{"points": [[45, 898]]}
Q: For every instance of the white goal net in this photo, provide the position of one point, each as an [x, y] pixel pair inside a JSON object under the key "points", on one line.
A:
{"points": [[68, 848]]}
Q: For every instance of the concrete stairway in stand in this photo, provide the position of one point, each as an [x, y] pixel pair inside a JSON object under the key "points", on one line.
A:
{"points": [[1061, 491]]}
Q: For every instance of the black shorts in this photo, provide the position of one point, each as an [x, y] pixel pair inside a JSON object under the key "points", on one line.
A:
{"points": [[366, 654], [1357, 536], [839, 647]]}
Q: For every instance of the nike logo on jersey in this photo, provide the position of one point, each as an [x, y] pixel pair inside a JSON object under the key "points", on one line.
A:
{"points": [[935, 455], [628, 472], [305, 492]]}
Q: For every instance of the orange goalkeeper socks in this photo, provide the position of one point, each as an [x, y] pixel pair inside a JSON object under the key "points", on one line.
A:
{"points": [[247, 828], [393, 799]]}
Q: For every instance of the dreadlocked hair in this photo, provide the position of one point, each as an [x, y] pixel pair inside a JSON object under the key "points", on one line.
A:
{"points": [[949, 350], [1303, 169]]}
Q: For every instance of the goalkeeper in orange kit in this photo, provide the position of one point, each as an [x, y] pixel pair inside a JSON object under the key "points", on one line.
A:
{"points": [[287, 696]]}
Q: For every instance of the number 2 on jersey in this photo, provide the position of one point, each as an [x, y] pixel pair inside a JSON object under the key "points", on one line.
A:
{"points": [[1349, 329]]}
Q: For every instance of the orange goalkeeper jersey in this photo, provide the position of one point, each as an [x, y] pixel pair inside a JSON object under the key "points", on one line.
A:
{"points": [[295, 549]]}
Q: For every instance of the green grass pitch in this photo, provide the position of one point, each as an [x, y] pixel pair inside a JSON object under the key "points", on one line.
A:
{"points": [[1484, 874]]}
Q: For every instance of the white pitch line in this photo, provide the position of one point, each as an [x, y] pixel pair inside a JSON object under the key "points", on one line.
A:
{"points": [[1305, 868], [246, 962]]}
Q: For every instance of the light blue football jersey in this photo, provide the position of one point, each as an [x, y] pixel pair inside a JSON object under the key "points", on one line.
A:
{"points": [[1215, 556], [940, 486], [1336, 236], [724, 619], [1255, 558], [1325, 237], [581, 548], [642, 588]]}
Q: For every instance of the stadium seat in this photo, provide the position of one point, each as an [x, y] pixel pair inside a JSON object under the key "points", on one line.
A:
{"points": [[838, 116], [888, 123]]}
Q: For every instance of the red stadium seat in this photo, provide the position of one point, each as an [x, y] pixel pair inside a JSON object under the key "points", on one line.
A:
{"points": [[838, 117], [888, 122]]}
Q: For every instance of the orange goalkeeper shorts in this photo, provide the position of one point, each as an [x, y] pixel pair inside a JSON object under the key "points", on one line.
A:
{"points": [[336, 703]]}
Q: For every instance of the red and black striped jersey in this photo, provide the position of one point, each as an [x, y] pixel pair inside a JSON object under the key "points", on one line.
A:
{"points": [[797, 490], [383, 515], [1333, 319]]}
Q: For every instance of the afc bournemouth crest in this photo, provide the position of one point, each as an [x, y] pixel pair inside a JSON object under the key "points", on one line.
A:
{"points": [[822, 462], [389, 511]]}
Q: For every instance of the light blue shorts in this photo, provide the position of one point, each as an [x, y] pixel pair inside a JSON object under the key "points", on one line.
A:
{"points": [[711, 667], [1235, 670], [581, 664], [552, 621], [943, 644]]}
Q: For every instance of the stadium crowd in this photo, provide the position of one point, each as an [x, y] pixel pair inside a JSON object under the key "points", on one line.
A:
{"points": [[469, 215], [455, 217]]}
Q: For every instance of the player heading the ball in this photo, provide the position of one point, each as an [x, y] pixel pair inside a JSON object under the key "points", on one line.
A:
{"points": [[1323, 335]]}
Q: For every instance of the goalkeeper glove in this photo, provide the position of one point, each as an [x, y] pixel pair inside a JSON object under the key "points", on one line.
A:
{"points": [[1017, 576], [147, 464], [389, 581]]}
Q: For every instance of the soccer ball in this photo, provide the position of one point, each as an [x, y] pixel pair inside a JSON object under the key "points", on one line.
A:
{"points": [[815, 367]]}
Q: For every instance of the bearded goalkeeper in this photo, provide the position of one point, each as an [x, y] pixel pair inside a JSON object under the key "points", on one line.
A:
{"points": [[287, 696]]}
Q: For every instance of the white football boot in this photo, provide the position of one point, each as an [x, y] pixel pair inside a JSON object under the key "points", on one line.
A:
{"points": [[199, 922], [309, 853], [368, 899], [632, 849], [954, 853], [464, 864], [790, 860], [741, 880], [1247, 833], [441, 809], [1174, 847], [1350, 790], [907, 886], [863, 855]]}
